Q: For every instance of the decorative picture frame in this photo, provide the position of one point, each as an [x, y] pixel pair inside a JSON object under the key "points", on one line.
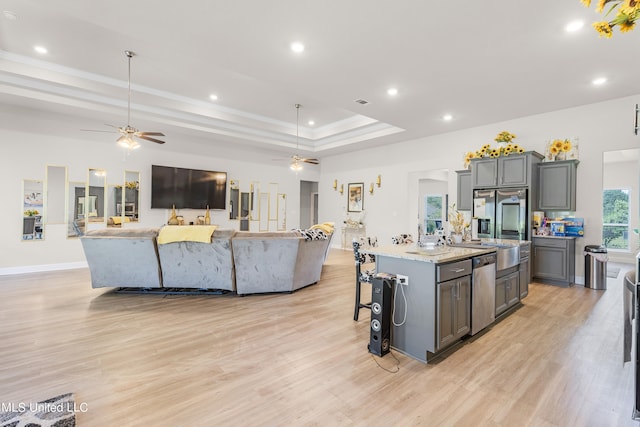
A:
{"points": [[355, 194]]}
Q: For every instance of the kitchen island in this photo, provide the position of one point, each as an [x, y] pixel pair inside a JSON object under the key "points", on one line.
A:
{"points": [[432, 310]]}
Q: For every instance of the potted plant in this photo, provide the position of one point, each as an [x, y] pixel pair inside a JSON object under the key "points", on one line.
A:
{"points": [[457, 224]]}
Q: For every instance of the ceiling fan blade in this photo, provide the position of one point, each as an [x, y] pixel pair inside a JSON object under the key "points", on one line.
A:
{"points": [[148, 138], [312, 161], [149, 133]]}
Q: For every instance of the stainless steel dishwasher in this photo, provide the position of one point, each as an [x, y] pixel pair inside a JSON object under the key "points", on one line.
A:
{"points": [[483, 292]]}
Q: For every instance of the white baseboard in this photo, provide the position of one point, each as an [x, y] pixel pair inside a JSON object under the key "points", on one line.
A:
{"points": [[42, 268]]}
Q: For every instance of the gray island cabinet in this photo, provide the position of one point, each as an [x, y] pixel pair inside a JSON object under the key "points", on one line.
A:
{"points": [[433, 311]]}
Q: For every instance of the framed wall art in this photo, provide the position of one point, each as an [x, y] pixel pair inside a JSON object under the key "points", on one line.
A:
{"points": [[355, 192]]}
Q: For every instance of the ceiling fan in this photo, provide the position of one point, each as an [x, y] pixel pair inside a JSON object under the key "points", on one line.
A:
{"points": [[128, 133], [296, 160]]}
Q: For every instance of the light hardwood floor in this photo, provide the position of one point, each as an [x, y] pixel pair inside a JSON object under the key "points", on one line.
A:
{"points": [[300, 359]]}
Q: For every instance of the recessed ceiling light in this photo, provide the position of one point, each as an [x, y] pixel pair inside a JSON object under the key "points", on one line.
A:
{"points": [[11, 16], [40, 49], [213, 97], [599, 81], [447, 117], [311, 122], [574, 26], [297, 47], [392, 91]]}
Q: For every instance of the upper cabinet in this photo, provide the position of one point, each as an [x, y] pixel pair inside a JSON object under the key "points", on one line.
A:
{"points": [[465, 191], [515, 170], [484, 173], [557, 185]]}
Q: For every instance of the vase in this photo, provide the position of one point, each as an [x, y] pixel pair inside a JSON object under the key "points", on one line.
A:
{"points": [[207, 217], [456, 237], [561, 155], [174, 218]]}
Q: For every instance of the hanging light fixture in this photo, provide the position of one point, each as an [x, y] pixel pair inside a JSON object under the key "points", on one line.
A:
{"points": [[296, 165]]}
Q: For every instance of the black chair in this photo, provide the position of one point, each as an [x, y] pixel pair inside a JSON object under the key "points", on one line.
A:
{"points": [[363, 275]]}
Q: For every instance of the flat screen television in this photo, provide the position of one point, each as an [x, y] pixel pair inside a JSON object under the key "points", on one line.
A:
{"points": [[187, 188]]}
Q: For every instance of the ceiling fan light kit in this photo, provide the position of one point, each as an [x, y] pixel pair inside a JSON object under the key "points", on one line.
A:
{"points": [[129, 133], [296, 160]]}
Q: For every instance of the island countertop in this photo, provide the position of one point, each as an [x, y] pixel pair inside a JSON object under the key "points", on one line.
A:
{"points": [[438, 255]]}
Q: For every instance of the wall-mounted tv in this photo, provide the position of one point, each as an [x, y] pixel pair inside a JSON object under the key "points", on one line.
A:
{"points": [[187, 188]]}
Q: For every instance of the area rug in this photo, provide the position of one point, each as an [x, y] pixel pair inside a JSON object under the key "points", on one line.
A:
{"points": [[58, 411], [613, 272]]}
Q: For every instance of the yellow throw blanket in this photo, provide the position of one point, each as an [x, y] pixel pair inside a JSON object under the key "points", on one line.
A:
{"points": [[186, 233], [327, 227], [117, 220]]}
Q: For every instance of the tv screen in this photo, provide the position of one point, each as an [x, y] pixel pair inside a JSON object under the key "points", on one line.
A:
{"points": [[187, 188]]}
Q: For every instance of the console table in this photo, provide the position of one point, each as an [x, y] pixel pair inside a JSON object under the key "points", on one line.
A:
{"points": [[349, 233]]}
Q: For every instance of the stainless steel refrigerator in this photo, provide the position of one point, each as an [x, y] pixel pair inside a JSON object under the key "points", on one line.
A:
{"points": [[501, 214], [484, 210]]}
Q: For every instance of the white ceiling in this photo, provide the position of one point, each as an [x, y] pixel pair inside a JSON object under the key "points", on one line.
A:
{"points": [[482, 62]]}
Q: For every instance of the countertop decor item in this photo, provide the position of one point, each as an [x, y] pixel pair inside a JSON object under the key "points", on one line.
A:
{"points": [[559, 149], [626, 13], [457, 224]]}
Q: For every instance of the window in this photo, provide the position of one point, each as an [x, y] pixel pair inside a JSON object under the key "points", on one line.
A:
{"points": [[434, 212], [615, 218]]}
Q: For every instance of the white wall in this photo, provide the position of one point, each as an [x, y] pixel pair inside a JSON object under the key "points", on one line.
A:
{"points": [[26, 153], [600, 127], [30, 142]]}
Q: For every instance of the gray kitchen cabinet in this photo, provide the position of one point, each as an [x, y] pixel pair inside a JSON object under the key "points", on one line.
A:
{"points": [[507, 292], [484, 173], [524, 269], [554, 260], [465, 191], [557, 185], [515, 170], [454, 310]]}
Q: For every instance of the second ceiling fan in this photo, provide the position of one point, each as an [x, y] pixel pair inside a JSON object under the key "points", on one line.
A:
{"points": [[296, 160]]}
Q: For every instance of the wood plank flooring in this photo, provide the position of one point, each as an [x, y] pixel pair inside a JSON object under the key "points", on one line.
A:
{"points": [[300, 359]]}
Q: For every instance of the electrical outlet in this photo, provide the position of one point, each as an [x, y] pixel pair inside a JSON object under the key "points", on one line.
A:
{"points": [[402, 280]]}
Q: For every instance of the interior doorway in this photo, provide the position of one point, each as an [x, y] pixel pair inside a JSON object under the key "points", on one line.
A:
{"points": [[308, 203]]}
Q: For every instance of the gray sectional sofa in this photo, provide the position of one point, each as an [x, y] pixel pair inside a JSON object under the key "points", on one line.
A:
{"points": [[244, 262], [277, 262]]}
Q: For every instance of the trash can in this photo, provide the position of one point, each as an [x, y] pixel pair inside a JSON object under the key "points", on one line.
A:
{"points": [[595, 267]]}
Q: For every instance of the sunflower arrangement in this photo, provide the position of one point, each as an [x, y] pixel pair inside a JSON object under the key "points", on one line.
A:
{"points": [[504, 136], [626, 14], [558, 146], [494, 152]]}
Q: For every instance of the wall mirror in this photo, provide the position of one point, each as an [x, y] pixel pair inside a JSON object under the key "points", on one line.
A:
{"points": [[32, 210], [56, 187], [75, 217], [124, 205], [273, 201], [282, 212], [264, 212], [93, 204], [234, 199], [254, 201], [244, 211]]}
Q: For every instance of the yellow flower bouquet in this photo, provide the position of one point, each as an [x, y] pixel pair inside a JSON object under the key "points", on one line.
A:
{"points": [[626, 14], [558, 149], [504, 148]]}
